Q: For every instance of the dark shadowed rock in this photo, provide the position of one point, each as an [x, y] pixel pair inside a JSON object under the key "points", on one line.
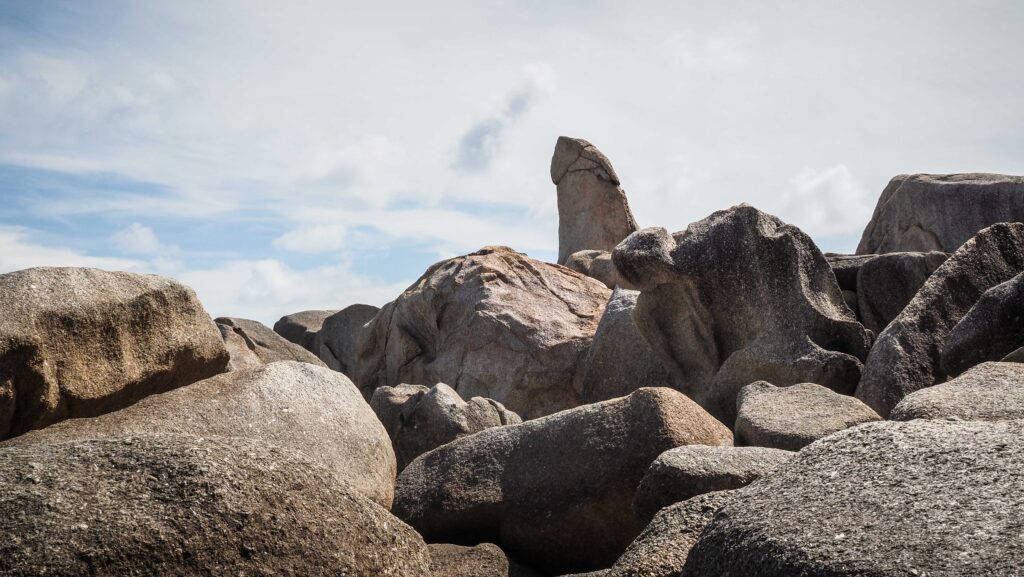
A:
{"points": [[484, 560], [264, 343], [79, 342], [923, 212], [556, 492], [296, 406], [906, 357], [684, 472], [592, 208], [419, 419], [888, 282], [739, 297], [937, 498], [619, 360], [596, 264], [190, 505], [493, 324], [991, 330], [335, 344], [987, 392], [302, 327], [846, 267], [795, 416]]}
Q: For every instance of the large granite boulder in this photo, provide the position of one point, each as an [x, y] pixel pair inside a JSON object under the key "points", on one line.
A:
{"points": [[596, 264], [296, 406], [987, 392], [907, 355], [923, 212], [619, 360], [420, 419], [739, 297], [261, 342], [793, 417], [335, 344], [160, 504], [493, 324], [557, 491], [302, 327], [991, 330], [592, 208], [79, 342], [483, 560], [888, 282], [937, 498]]}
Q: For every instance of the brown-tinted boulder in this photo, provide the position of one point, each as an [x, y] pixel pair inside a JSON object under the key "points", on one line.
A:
{"points": [[990, 331], [888, 282], [987, 392], [302, 327], [739, 297], [335, 344], [556, 492], [296, 406], [484, 560], [924, 212], [592, 208], [419, 419], [79, 342], [596, 264], [265, 344], [241, 356], [907, 356], [159, 504], [493, 324]]}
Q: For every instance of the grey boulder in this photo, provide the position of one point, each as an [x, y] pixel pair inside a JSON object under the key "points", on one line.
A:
{"points": [[888, 282], [990, 331], [335, 344], [302, 327], [987, 392], [596, 264], [483, 560], [254, 339], [846, 267]]}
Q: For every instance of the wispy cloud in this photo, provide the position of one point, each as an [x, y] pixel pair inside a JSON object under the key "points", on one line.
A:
{"points": [[137, 238], [19, 251]]}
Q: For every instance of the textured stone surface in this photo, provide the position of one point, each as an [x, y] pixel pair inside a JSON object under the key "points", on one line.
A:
{"points": [[936, 498], [556, 492], [596, 264], [907, 356], [888, 282], [302, 327], [484, 560], [592, 208], [987, 392], [846, 267], [739, 297], [991, 330], [265, 344], [493, 324], [78, 342], [189, 505], [923, 212], [335, 344]]}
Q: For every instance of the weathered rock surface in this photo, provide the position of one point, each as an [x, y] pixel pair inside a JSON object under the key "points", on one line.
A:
{"points": [[684, 472], [336, 342], [846, 267], [296, 406], [493, 324], [739, 297], [419, 419], [241, 356], [302, 327], [190, 505], [557, 491], [619, 360], [79, 342], [987, 392], [596, 264], [937, 498], [888, 282], [991, 330], [793, 417], [484, 560], [906, 357], [592, 208], [265, 344], [923, 212]]}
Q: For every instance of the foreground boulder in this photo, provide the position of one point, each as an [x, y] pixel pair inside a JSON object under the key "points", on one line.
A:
{"points": [[592, 208], [78, 342], [793, 417], [888, 282], [991, 330], [939, 498], [484, 560], [419, 419], [907, 356], [302, 327], [190, 505], [556, 491], [987, 392], [296, 406], [335, 344], [739, 297], [923, 212], [260, 342], [493, 324]]}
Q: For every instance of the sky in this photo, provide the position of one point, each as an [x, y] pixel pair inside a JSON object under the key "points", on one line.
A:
{"points": [[282, 156]]}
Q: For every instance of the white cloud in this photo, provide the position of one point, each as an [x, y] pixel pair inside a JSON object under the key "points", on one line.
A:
{"points": [[18, 252], [826, 203], [313, 239], [140, 239]]}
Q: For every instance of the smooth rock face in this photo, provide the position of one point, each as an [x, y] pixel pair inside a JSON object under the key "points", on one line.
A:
{"points": [[190, 505], [596, 264], [295, 406], [937, 498], [684, 472], [302, 327], [484, 560], [793, 417], [419, 419], [493, 324], [987, 392], [906, 357], [619, 360], [335, 344], [557, 491], [991, 330], [79, 342], [923, 212], [265, 344], [592, 208], [888, 282], [738, 297]]}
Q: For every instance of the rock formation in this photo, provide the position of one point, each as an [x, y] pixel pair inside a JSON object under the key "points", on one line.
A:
{"points": [[887, 283], [302, 327], [991, 330], [252, 342], [596, 264], [987, 392], [335, 344]]}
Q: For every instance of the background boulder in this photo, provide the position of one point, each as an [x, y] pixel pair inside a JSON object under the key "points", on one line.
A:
{"points": [[335, 344], [991, 330], [302, 327], [265, 344], [888, 282]]}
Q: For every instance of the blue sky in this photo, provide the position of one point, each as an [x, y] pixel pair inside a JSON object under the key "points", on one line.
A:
{"points": [[280, 156]]}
